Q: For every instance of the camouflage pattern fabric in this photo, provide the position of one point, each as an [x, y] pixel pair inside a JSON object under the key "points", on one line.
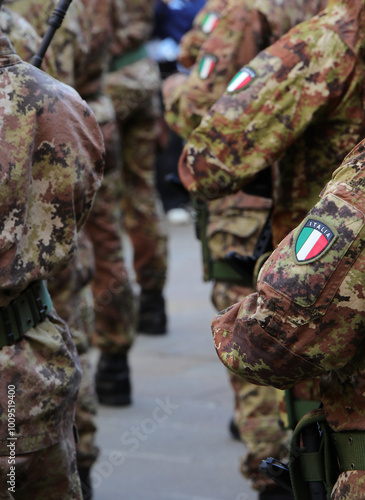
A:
{"points": [[300, 102], [203, 25], [69, 288], [256, 411], [114, 305], [68, 44], [134, 92], [46, 198], [306, 319], [60, 482], [244, 29], [25, 39]]}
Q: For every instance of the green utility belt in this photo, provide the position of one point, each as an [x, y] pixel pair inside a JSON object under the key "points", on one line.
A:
{"points": [[23, 313], [350, 447], [318, 455], [128, 58]]}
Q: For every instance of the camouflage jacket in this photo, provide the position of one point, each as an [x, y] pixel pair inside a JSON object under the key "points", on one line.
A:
{"points": [[38, 239], [51, 166], [244, 29], [307, 318], [203, 25], [300, 101]]}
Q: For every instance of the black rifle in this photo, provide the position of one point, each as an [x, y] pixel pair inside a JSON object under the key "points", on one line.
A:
{"points": [[54, 22]]}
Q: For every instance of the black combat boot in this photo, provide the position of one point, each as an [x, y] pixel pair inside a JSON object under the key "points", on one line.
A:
{"points": [[151, 315], [112, 382]]}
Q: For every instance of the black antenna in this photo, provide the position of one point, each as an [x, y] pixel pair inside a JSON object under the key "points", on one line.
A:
{"points": [[54, 23]]}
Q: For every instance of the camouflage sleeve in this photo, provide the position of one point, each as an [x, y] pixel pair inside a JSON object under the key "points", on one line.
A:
{"points": [[307, 316], [265, 108], [204, 23], [219, 58]]}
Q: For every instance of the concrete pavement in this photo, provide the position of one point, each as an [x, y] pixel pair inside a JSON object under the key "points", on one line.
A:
{"points": [[173, 442]]}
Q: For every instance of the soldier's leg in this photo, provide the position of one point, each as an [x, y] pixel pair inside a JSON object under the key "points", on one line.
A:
{"points": [[49, 473], [144, 220], [114, 302], [72, 299]]}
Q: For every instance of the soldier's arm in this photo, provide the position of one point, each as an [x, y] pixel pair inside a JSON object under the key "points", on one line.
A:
{"points": [[307, 317], [203, 25], [219, 58], [264, 110]]}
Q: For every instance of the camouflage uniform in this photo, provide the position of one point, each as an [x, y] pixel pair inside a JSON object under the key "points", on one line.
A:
{"points": [[48, 189], [133, 83], [113, 298], [25, 39], [300, 103], [82, 47], [235, 222], [203, 25], [306, 320], [298, 61], [68, 44]]}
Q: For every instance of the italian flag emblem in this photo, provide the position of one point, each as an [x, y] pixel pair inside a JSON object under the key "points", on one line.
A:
{"points": [[206, 66], [210, 21], [314, 238], [242, 79]]}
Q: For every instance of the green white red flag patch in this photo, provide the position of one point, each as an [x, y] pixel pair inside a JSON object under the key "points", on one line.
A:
{"points": [[206, 66], [313, 239], [210, 21], [241, 80]]}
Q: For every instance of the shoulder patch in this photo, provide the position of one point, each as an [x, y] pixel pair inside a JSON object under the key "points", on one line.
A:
{"points": [[207, 65], [210, 22], [241, 79], [312, 241]]}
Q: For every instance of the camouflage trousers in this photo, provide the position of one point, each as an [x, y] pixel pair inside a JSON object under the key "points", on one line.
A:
{"points": [[133, 90], [114, 303], [72, 298], [256, 408], [47, 473]]}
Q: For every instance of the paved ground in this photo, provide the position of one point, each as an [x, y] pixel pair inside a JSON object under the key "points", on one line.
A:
{"points": [[173, 442]]}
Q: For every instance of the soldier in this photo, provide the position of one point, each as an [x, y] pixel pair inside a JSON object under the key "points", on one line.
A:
{"points": [[307, 319], [235, 223], [82, 46], [309, 80], [50, 176], [133, 83]]}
